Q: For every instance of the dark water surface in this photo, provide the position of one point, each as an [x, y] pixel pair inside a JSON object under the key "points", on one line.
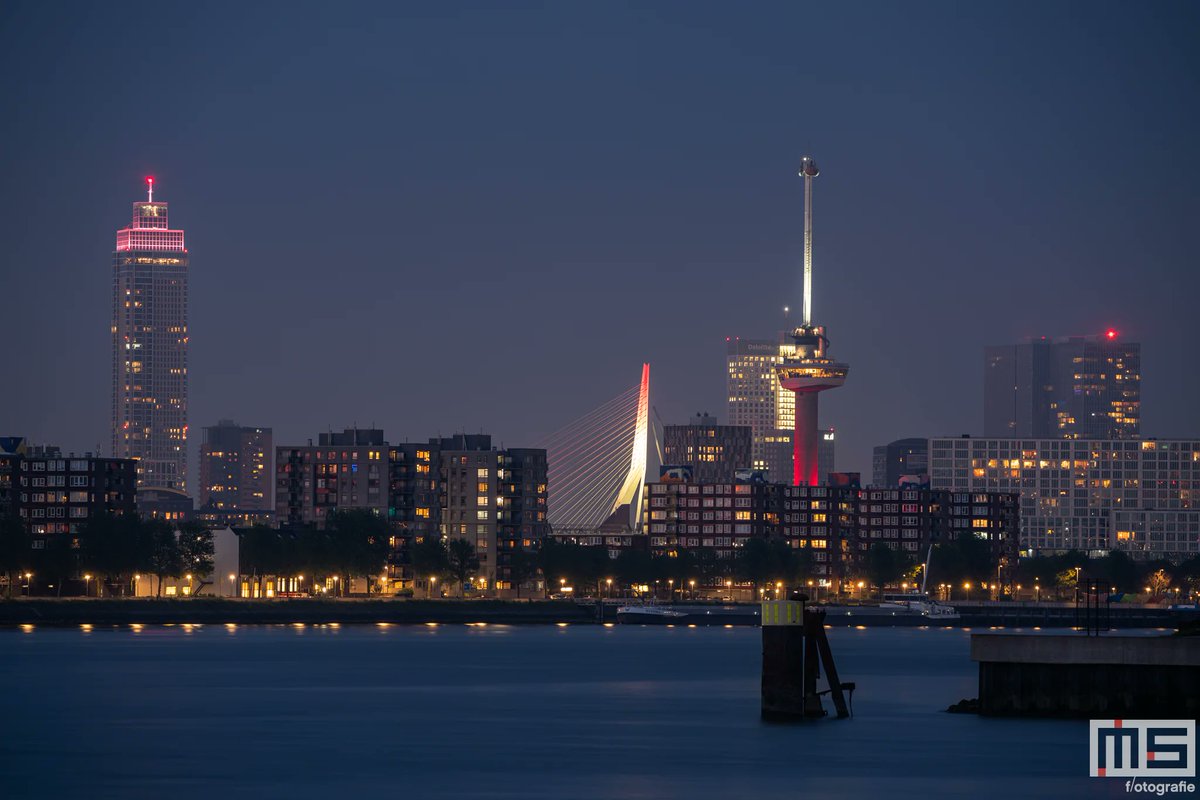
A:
{"points": [[500, 712]]}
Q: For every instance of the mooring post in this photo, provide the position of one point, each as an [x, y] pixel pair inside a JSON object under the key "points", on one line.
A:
{"points": [[783, 682], [814, 621], [835, 686]]}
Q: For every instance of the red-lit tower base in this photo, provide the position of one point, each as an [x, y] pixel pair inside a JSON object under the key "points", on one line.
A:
{"points": [[808, 374], [804, 440]]}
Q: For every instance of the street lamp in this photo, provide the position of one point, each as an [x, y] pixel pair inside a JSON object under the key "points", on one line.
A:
{"points": [[692, 583], [671, 589], [87, 585], [729, 588], [967, 588], [432, 585], [608, 583], [28, 584], [232, 585]]}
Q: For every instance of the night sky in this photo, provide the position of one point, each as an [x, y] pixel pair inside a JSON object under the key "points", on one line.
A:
{"points": [[439, 217]]}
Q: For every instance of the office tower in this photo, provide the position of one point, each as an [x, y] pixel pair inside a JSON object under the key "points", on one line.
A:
{"points": [[236, 472], [809, 371], [1091, 495], [149, 346], [757, 401], [1080, 387], [713, 452], [899, 459]]}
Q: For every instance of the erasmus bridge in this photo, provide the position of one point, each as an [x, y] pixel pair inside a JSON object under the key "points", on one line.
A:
{"points": [[597, 464]]}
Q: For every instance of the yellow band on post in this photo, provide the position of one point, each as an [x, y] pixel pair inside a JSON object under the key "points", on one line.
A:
{"points": [[782, 612]]}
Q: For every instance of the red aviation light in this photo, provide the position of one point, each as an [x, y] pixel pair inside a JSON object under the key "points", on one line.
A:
{"points": [[1110, 333]]}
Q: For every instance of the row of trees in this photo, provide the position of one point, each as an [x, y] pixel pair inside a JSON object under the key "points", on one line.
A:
{"points": [[1116, 570], [352, 544], [113, 549], [589, 569]]}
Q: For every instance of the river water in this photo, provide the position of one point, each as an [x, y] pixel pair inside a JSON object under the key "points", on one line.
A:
{"points": [[495, 711]]}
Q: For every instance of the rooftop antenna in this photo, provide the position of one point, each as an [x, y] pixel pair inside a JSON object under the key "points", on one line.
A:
{"points": [[149, 189]]}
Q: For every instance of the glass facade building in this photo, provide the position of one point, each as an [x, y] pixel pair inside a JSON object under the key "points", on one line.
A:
{"points": [[1081, 387], [1088, 495]]}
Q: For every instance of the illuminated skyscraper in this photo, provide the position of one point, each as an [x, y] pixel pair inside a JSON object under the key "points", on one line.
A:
{"points": [[149, 346], [756, 401], [1079, 387]]}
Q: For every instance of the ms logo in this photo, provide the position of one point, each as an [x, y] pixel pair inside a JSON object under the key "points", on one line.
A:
{"points": [[1142, 748]]}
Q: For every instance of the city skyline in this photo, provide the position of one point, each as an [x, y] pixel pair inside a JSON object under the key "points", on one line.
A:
{"points": [[285, 292]]}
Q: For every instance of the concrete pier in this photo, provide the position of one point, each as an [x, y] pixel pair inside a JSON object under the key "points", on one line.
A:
{"points": [[1074, 675]]}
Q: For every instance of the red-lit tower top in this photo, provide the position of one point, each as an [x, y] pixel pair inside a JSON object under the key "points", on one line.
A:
{"points": [[149, 229]]}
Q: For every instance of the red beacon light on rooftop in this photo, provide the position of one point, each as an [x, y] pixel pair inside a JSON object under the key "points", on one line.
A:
{"points": [[1110, 333]]}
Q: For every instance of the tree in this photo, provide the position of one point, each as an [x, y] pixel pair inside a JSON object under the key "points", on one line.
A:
{"points": [[116, 547], [430, 559], [1119, 570], [789, 565], [557, 560], [56, 560], [354, 543], [522, 566], [166, 558], [754, 562], [884, 565], [264, 551], [592, 565], [15, 555], [463, 561], [634, 567], [195, 546], [1159, 582], [1188, 573], [1067, 580]]}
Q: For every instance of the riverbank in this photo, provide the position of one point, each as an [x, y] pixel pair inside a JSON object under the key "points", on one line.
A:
{"points": [[201, 610], [204, 610]]}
